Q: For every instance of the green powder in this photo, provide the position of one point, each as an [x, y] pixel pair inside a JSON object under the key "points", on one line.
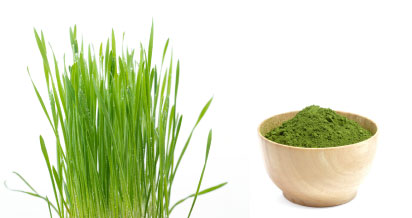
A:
{"points": [[316, 127]]}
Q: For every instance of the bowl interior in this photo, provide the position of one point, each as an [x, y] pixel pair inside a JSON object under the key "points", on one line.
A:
{"points": [[277, 120]]}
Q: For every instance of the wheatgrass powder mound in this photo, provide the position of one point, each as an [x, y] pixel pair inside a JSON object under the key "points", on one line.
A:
{"points": [[316, 127]]}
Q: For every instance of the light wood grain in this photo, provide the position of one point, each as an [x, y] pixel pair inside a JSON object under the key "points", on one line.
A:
{"points": [[318, 177]]}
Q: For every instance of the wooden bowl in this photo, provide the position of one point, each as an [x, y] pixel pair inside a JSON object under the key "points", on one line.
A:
{"points": [[318, 177]]}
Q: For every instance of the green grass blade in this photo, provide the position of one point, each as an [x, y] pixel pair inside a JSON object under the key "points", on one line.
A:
{"points": [[25, 181], [209, 141], [202, 113], [177, 80], [164, 52], [41, 101], [46, 158], [42, 48], [204, 191], [150, 51], [49, 207], [34, 194], [204, 110]]}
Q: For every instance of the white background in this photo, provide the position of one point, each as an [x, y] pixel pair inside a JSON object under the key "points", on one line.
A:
{"points": [[257, 59]]}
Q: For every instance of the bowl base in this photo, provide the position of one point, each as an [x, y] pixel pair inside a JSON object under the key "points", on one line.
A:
{"points": [[317, 203]]}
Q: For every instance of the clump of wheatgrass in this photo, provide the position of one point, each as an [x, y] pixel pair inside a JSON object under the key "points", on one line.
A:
{"points": [[116, 126]]}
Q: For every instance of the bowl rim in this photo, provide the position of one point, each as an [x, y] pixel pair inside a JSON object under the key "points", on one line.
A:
{"points": [[325, 148]]}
